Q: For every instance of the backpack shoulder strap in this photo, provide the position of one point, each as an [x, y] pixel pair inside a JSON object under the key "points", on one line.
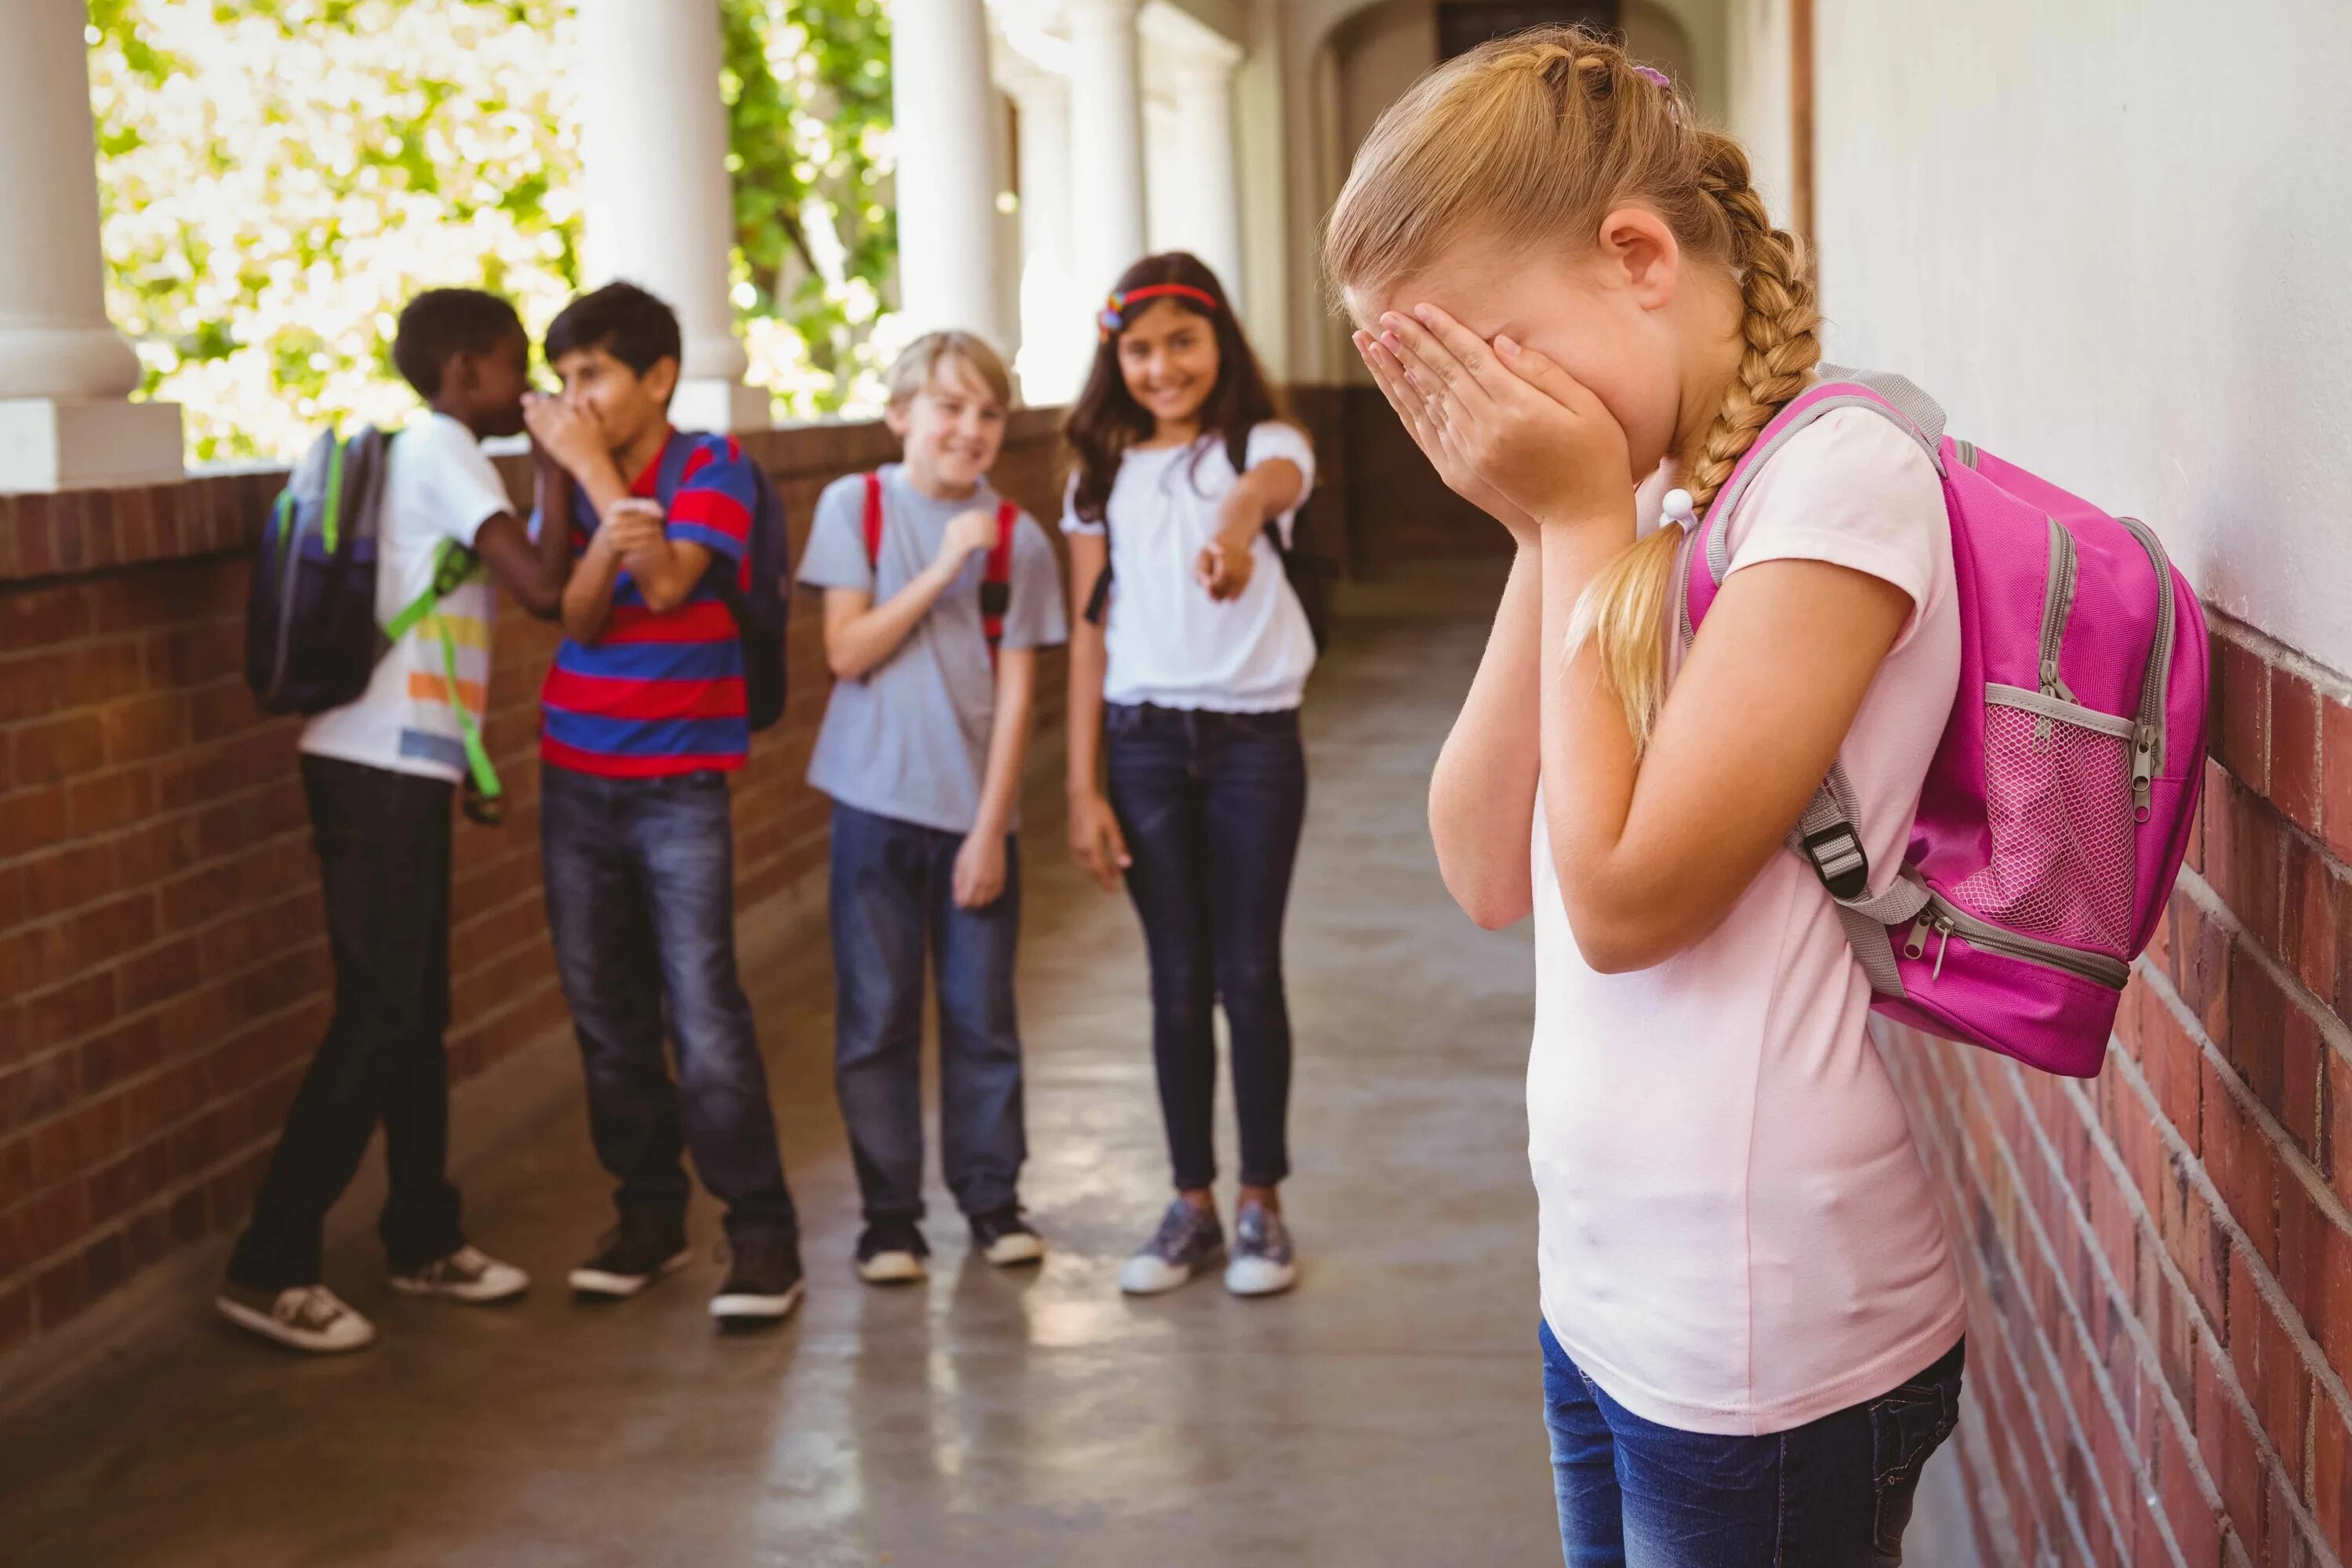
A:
{"points": [[996, 582], [873, 518]]}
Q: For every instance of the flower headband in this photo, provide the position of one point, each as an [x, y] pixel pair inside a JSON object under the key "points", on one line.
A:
{"points": [[1113, 318]]}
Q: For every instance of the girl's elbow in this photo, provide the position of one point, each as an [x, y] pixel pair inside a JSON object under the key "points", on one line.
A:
{"points": [[1496, 912], [1615, 941]]}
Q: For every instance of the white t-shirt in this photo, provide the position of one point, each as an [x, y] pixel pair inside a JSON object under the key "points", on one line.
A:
{"points": [[1165, 640], [1737, 1233], [438, 486]]}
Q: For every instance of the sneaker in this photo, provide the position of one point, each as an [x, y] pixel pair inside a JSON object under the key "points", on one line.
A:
{"points": [[466, 1275], [762, 1286], [1188, 1238], [306, 1317], [891, 1252], [1006, 1239], [632, 1254], [1262, 1264]]}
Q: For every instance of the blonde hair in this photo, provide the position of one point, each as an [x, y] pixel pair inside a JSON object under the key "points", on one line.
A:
{"points": [[1533, 139], [920, 359]]}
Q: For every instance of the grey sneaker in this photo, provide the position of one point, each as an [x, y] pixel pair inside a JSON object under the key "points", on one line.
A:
{"points": [[1188, 1239], [468, 1275], [304, 1318], [1263, 1263]]}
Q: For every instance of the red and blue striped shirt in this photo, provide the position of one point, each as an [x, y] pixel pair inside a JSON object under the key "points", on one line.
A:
{"points": [[661, 693]]}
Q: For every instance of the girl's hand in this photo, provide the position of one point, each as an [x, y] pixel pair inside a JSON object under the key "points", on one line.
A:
{"points": [[1389, 373], [1095, 842], [978, 870], [1223, 570], [1520, 423]]}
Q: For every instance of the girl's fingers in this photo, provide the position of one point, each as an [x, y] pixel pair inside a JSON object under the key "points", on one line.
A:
{"points": [[1539, 372], [1443, 370], [1411, 405], [1468, 350]]}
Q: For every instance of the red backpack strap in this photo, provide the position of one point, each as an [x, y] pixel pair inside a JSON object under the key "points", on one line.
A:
{"points": [[996, 584], [874, 519]]}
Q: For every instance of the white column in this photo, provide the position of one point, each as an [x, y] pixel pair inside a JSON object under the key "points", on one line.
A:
{"points": [[944, 108], [1056, 325], [65, 371], [1211, 220], [1106, 143], [660, 208]]}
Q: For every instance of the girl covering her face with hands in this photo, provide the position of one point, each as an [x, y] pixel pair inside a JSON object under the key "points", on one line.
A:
{"points": [[1192, 654], [1573, 298]]}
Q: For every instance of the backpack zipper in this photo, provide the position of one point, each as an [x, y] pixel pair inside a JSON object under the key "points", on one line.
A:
{"points": [[1948, 919], [2147, 736], [2057, 603]]}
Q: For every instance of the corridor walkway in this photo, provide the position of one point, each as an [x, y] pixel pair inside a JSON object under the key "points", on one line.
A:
{"points": [[1383, 1414]]}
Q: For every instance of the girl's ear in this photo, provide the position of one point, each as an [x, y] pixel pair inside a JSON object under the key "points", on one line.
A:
{"points": [[1640, 254]]}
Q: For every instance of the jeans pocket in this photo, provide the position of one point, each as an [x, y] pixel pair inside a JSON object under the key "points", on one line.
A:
{"points": [[1123, 718], [1905, 1427]]}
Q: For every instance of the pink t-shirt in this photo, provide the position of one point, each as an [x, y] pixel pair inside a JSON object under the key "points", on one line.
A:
{"points": [[1737, 1233]]}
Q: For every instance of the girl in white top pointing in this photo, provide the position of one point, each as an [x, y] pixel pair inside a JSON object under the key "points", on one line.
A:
{"points": [[1192, 653]]}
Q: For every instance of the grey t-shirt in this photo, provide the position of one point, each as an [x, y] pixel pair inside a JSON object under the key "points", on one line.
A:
{"points": [[910, 740]]}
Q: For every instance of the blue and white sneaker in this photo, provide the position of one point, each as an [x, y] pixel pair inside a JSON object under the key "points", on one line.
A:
{"points": [[1262, 1264], [1188, 1240]]}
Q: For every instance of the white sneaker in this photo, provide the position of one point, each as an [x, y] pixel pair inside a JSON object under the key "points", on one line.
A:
{"points": [[1263, 1263], [891, 1252], [466, 1275], [304, 1318], [1188, 1239]]}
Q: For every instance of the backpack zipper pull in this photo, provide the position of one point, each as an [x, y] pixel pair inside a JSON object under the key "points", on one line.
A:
{"points": [[2142, 774], [1916, 943], [1942, 929]]}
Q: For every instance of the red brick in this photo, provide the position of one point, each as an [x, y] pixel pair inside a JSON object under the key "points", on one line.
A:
{"points": [[2194, 1520], [2268, 1369], [2230, 1457], [2242, 1165], [2294, 749], [2201, 950], [140, 728], [2207, 792], [107, 801], [2257, 1028], [2256, 879], [69, 1011], [2241, 684], [101, 672], [55, 749], [2175, 1065], [2302, 1052], [31, 819], [2337, 1101], [43, 617], [2331, 1477], [16, 1317], [2308, 922], [2335, 777], [35, 1091], [2315, 1269], [60, 1291], [105, 932]]}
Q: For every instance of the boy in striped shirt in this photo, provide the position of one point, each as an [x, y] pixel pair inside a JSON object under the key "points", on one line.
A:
{"points": [[642, 719]]}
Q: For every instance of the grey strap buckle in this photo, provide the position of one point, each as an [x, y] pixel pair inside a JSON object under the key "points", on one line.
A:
{"points": [[1838, 859]]}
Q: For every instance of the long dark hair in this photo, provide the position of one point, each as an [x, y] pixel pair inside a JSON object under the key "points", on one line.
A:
{"points": [[1106, 420]]}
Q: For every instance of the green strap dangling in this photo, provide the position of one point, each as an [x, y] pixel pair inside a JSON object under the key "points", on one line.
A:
{"points": [[451, 568]]}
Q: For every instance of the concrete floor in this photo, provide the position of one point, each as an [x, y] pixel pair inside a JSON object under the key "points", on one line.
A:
{"points": [[1385, 1413]]}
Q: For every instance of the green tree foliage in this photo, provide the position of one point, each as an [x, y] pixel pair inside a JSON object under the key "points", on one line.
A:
{"points": [[278, 176]]}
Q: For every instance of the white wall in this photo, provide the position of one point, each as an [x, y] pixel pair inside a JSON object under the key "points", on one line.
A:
{"points": [[2112, 237], [1757, 95]]}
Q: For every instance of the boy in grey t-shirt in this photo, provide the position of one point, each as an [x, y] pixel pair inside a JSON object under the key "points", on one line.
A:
{"points": [[937, 596]]}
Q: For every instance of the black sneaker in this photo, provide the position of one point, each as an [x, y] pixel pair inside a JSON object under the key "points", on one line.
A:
{"points": [[1004, 1238], [891, 1252], [763, 1285], [633, 1254]]}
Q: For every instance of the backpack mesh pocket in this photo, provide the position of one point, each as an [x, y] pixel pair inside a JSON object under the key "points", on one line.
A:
{"points": [[2058, 797]]}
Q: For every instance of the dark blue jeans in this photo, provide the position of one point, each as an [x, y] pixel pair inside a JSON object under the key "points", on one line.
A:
{"points": [[1212, 806], [383, 839], [1834, 1493], [893, 896], [641, 898]]}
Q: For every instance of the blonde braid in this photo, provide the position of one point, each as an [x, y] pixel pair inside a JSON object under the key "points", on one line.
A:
{"points": [[1623, 611]]}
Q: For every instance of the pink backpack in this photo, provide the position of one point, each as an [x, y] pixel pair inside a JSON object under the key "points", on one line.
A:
{"points": [[2059, 804]]}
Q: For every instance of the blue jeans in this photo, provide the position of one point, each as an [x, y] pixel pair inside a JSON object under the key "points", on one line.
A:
{"points": [[641, 899], [893, 895], [1212, 806], [1834, 1493]]}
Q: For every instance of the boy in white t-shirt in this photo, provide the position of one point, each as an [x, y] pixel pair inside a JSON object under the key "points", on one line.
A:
{"points": [[379, 774]]}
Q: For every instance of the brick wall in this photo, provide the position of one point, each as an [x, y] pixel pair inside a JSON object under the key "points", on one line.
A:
{"points": [[164, 972], [2159, 1260]]}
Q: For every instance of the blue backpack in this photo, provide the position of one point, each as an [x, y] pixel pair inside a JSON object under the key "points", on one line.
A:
{"points": [[760, 605], [311, 640]]}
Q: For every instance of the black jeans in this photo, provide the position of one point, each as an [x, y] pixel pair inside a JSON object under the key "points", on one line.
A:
{"points": [[893, 895], [1212, 806], [640, 877], [383, 839], [1835, 1492]]}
